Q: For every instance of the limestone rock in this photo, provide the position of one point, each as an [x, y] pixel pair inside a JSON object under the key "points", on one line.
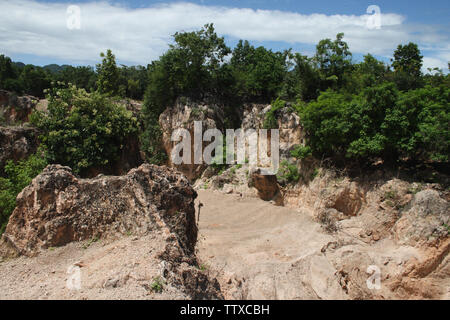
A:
{"points": [[58, 208], [17, 143], [425, 221], [16, 109], [267, 186], [182, 115]]}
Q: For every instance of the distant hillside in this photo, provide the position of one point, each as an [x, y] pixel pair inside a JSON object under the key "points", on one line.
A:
{"points": [[55, 68]]}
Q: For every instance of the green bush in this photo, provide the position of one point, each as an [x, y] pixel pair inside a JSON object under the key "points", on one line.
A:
{"points": [[288, 172], [270, 118], [380, 122], [18, 176], [83, 130], [301, 152]]}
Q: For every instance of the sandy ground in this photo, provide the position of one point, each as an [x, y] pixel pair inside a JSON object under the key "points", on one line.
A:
{"points": [[120, 269], [247, 239]]}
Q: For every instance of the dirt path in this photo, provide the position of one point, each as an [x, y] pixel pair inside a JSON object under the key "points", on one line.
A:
{"points": [[254, 244]]}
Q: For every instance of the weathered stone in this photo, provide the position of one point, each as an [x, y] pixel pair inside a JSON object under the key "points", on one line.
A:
{"points": [[267, 186], [183, 115], [58, 208], [16, 109], [17, 143]]}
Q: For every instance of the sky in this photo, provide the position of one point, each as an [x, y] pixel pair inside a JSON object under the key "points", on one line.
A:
{"points": [[139, 31]]}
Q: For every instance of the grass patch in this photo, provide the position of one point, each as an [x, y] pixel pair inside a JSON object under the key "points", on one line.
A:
{"points": [[91, 241], [157, 285]]}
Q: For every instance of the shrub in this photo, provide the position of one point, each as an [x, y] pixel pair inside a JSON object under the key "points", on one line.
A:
{"points": [[83, 130], [288, 172], [157, 285], [270, 118], [301, 152], [18, 176]]}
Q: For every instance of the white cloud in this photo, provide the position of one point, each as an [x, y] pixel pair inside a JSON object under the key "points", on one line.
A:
{"points": [[141, 35]]}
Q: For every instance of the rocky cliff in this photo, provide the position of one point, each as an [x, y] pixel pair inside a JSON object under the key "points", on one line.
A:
{"points": [[17, 143], [182, 115], [16, 109], [153, 204], [251, 116]]}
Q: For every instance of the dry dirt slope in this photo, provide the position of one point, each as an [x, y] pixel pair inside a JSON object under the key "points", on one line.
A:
{"points": [[237, 235], [256, 250], [260, 251]]}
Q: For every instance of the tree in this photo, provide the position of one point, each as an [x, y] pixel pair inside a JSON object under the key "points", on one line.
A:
{"points": [[368, 73], [196, 58], [333, 59], [83, 130], [259, 73], [407, 64], [108, 74], [35, 80], [6, 70], [82, 77], [306, 77]]}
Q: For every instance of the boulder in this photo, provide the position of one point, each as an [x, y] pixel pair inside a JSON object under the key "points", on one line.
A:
{"points": [[16, 109], [290, 129], [426, 221], [17, 143], [267, 186], [58, 208]]}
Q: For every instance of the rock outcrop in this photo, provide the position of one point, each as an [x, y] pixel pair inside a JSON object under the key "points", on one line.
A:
{"points": [[290, 128], [183, 115], [17, 143], [58, 208], [145, 220], [267, 186], [16, 109]]}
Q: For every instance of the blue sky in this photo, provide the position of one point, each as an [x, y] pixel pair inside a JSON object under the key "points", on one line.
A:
{"points": [[138, 31]]}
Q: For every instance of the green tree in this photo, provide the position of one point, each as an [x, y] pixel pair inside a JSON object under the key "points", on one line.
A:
{"points": [[83, 130], [108, 74], [82, 77], [259, 73], [35, 80], [195, 61], [407, 64], [7, 71], [367, 73], [333, 59]]}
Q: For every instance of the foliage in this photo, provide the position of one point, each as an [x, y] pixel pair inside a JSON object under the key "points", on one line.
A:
{"points": [[17, 176], [34, 80], [157, 285], [108, 74], [270, 118], [407, 65], [258, 72], [301, 152], [83, 130], [333, 59], [82, 77], [288, 172], [380, 122]]}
